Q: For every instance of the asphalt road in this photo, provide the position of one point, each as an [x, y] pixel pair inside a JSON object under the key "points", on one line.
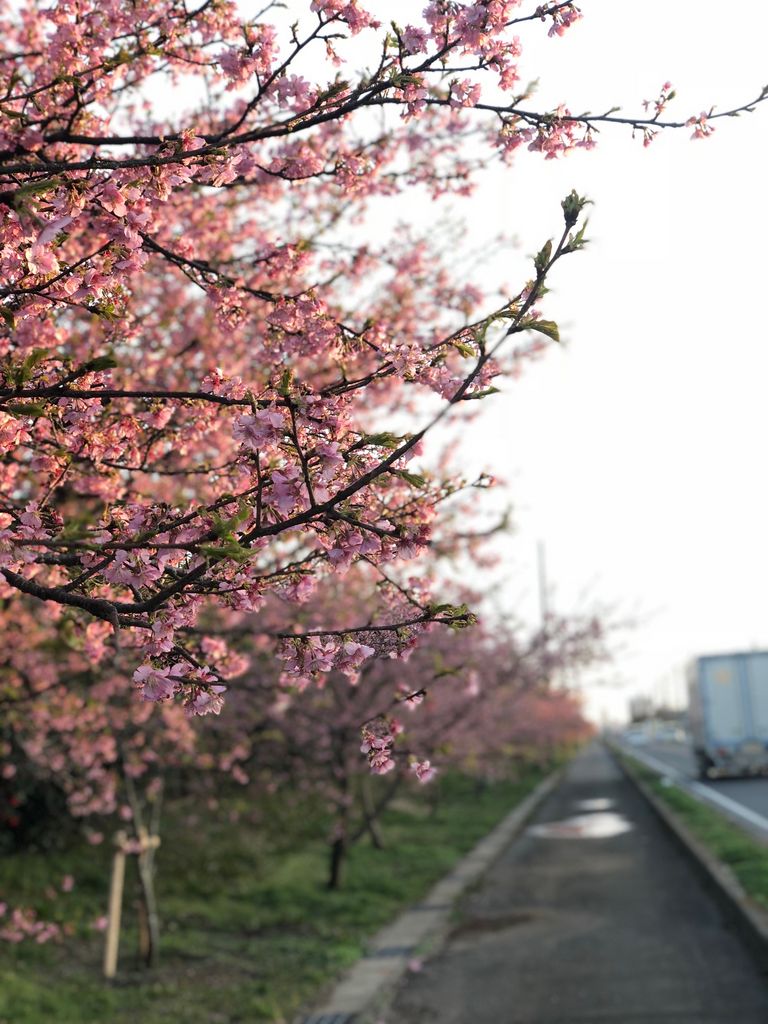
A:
{"points": [[751, 793], [612, 929]]}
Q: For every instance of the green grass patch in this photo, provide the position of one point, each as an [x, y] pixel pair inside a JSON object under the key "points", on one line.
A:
{"points": [[731, 845], [249, 931]]}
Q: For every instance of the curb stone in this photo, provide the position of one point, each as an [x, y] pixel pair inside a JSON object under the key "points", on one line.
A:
{"points": [[748, 916], [364, 989]]}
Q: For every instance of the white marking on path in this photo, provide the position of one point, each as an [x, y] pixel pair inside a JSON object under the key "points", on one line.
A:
{"points": [[601, 825], [600, 803]]}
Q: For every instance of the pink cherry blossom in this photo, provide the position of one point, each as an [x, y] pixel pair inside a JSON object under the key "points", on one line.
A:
{"points": [[259, 430], [423, 771], [159, 683]]}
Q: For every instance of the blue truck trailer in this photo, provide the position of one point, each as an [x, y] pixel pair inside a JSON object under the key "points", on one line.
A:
{"points": [[728, 713]]}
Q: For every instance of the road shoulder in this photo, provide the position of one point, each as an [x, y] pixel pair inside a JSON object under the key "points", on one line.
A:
{"points": [[744, 911]]}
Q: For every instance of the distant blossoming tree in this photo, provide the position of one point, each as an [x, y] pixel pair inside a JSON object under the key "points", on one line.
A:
{"points": [[471, 700]]}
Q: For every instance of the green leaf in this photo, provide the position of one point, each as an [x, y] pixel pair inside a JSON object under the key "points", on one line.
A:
{"points": [[437, 609], [542, 258], [464, 348], [548, 327], [572, 206], [107, 310], [34, 188], [463, 622], [414, 479], [382, 440], [225, 527], [21, 373], [477, 395], [230, 550], [456, 616], [99, 363], [33, 409], [576, 241]]}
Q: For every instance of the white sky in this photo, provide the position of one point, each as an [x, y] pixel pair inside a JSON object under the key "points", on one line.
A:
{"points": [[637, 452]]}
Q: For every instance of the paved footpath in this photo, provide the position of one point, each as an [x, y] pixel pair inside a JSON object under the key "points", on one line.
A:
{"points": [[611, 929]]}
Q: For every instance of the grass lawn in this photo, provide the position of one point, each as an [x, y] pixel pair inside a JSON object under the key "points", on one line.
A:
{"points": [[249, 933], [745, 856]]}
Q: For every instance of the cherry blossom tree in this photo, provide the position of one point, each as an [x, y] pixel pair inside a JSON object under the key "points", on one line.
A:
{"points": [[73, 730], [467, 700], [79, 751], [200, 355], [516, 726]]}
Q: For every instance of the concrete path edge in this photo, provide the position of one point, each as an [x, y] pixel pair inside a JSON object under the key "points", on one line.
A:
{"points": [[747, 916], [363, 992]]}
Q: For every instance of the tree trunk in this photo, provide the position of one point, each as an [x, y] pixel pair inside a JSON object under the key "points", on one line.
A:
{"points": [[481, 785], [338, 857], [370, 815], [149, 921], [341, 839]]}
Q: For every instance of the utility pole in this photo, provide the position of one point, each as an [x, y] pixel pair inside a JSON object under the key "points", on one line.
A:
{"points": [[542, 567]]}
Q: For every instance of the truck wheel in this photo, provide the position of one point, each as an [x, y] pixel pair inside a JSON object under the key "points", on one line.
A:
{"points": [[703, 764]]}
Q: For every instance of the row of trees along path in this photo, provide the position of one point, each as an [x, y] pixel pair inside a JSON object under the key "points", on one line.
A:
{"points": [[201, 355]]}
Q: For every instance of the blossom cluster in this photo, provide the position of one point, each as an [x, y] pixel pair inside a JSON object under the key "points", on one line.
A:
{"points": [[22, 923], [378, 744]]}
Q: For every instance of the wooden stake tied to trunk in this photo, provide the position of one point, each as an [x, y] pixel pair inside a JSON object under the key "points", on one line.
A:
{"points": [[144, 848], [115, 905]]}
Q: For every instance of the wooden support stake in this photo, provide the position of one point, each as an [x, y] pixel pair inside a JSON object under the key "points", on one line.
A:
{"points": [[115, 906]]}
